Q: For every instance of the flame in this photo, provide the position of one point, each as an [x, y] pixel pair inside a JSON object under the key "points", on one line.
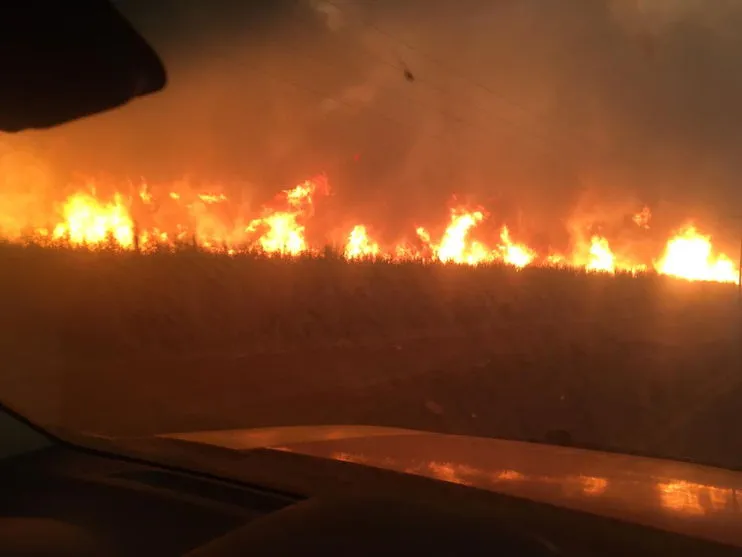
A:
{"points": [[689, 255], [147, 220], [455, 246], [601, 256], [359, 246], [515, 254], [283, 232], [87, 221]]}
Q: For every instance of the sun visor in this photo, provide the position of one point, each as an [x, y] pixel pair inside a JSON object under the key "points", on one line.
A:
{"points": [[61, 61]]}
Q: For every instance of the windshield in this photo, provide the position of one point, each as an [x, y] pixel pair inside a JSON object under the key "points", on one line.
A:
{"points": [[509, 219]]}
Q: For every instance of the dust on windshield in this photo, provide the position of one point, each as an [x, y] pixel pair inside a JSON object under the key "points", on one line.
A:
{"points": [[499, 219]]}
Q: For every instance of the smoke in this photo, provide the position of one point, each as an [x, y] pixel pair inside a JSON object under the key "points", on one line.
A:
{"points": [[526, 106], [332, 13]]}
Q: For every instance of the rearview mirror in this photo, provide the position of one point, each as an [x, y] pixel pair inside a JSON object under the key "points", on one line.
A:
{"points": [[60, 61]]}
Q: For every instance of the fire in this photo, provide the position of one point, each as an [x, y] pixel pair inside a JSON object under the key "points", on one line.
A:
{"points": [[457, 247], [147, 220], [87, 221], [601, 256], [454, 246], [517, 255], [689, 255], [359, 246], [283, 233]]}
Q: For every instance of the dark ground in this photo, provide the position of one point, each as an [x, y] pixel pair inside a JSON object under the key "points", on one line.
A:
{"points": [[128, 345]]}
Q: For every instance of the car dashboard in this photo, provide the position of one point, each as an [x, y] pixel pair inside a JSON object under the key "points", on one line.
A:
{"points": [[61, 500]]}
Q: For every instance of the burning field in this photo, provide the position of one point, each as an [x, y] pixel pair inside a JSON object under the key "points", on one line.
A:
{"points": [[201, 314], [144, 219], [535, 232]]}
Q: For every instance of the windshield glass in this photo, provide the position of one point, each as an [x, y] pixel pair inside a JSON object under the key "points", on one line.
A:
{"points": [[508, 219]]}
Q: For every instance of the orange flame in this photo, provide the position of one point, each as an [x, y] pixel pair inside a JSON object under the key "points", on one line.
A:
{"points": [[601, 256], [86, 219], [359, 246], [518, 255], [284, 234], [689, 255]]}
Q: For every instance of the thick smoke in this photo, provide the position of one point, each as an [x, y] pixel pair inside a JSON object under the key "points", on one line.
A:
{"points": [[538, 110]]}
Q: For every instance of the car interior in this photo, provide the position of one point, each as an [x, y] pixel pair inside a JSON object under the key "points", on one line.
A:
{"points": [[62, 499], [66, 498]]}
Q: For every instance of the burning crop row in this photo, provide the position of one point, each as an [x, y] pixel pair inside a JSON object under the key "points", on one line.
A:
{"points": [[86, 219]]}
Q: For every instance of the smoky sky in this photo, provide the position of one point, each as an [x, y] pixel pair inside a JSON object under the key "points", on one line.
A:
{"points": [[533, 108]]}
